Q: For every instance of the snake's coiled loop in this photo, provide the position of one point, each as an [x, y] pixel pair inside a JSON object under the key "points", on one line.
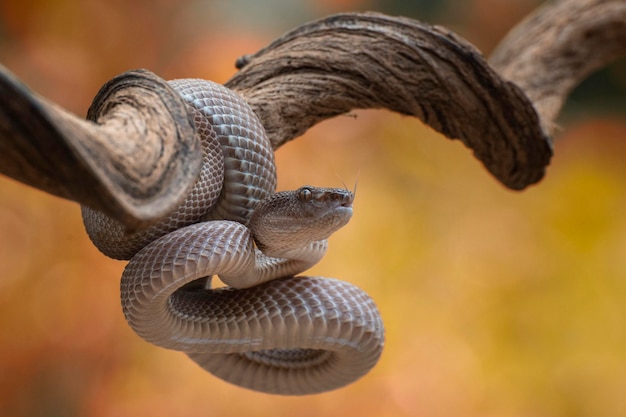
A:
{"points": [[238, 171], [268, 331]]}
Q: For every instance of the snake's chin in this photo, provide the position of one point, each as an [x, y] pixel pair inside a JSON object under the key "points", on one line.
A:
{"points": [[341, 215]]}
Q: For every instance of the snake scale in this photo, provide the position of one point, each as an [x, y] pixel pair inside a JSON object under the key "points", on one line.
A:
{"points": [[266, 330]]}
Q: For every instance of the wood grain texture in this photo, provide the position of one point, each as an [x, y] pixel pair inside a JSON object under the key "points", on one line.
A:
{"points": [[134, 160], [370, 60], [137, 156], [557, 47]]}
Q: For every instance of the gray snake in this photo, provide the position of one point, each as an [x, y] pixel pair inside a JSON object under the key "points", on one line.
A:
{"points": [[267, 330]]}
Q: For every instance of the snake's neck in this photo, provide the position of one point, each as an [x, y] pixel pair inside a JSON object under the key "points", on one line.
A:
{"points": [[279, 265]]}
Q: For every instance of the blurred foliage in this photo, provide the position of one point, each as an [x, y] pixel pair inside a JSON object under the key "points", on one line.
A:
{"points": [[496, 303]]}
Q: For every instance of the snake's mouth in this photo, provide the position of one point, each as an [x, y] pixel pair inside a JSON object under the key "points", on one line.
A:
{"points": [[341, 214], [348, 203], [340, 205], [343, 208]]}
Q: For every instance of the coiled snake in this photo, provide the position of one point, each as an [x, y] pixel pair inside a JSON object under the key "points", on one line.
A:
{"points": [[267, 330]]}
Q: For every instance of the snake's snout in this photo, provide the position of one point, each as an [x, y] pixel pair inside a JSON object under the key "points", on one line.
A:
{"points": [[339, 197], [347, 199], [339, 205]]}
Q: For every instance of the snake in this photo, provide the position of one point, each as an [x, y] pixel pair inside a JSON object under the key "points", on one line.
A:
{"points": [[268, 329]]}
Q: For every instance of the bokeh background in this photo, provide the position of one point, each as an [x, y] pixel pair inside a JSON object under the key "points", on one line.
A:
{"points": [[496, 303]]}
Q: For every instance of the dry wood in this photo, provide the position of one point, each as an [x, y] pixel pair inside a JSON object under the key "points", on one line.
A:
{"points": [[137, 156], [558, 46], [135, 160], [371, 60]]}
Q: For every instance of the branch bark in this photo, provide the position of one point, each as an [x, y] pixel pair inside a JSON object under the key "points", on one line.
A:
{"points": [[370, 60], [557, 47], [135, 158], [137, 155]]}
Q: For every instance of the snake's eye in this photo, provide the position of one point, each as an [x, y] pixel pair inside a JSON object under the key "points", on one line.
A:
{"points": [[305, 194]]}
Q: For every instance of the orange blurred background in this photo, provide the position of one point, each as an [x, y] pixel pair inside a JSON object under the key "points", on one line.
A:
{"points": [[496, 303]]}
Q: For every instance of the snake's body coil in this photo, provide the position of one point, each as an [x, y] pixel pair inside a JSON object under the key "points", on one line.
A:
{"points": [[267, 331]]}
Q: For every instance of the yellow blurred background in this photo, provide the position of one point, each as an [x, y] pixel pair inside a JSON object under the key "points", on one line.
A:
{"points": [[496, 303]]}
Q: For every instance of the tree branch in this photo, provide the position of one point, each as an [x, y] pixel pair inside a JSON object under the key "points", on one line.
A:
{"points": [[370, 60], [135, 159], [137, 156], [557, 47]]}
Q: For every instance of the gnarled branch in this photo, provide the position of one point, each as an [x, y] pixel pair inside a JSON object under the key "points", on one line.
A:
{"points": [[135, 159], [558, 46], [371, 60], [137, 156]]}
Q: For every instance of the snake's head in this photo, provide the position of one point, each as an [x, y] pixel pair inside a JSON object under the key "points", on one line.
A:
{"points": [[293, 219]]}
